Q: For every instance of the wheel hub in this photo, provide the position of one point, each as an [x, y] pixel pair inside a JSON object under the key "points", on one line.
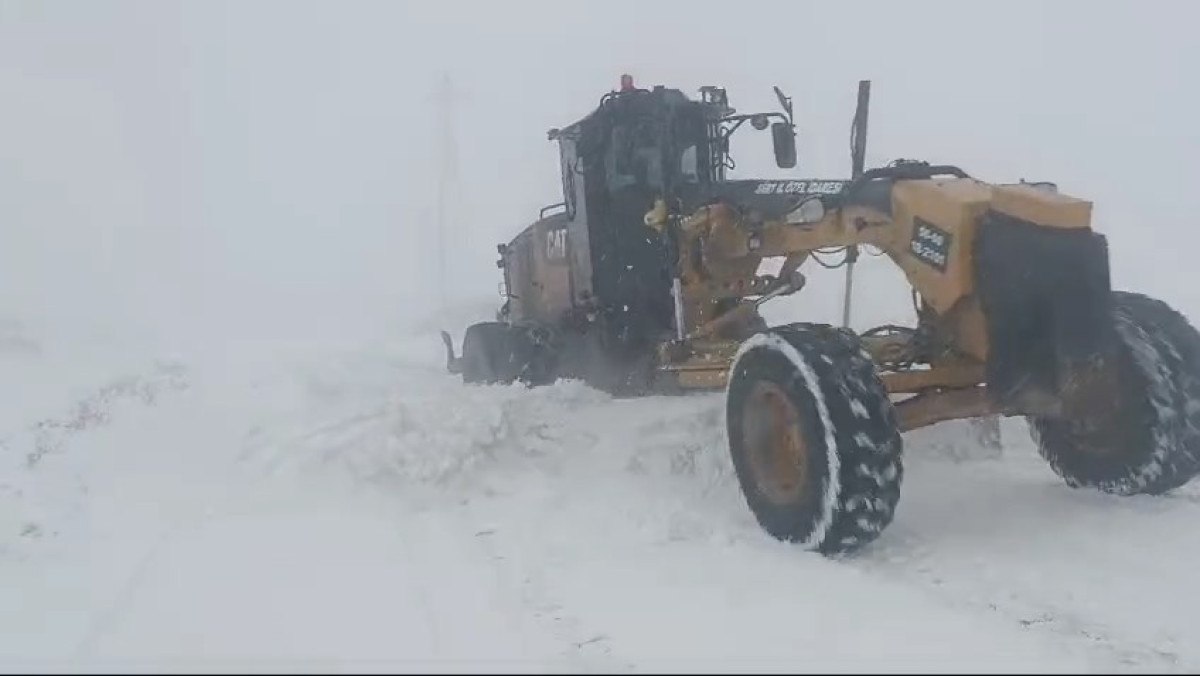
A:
{"points": [[772, 434]]}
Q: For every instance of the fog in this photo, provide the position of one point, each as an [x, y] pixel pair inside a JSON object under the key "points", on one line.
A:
{"points": [[229, 438], [176, 172]]}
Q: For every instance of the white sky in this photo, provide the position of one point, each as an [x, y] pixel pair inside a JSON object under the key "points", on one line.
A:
{"points": [[181, 166]]}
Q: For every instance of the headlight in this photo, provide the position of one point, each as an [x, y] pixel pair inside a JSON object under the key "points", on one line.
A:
{"points": [[810, 211]]}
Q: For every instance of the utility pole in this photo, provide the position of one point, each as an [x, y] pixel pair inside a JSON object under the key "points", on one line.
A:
{"points": [[445, 98]]}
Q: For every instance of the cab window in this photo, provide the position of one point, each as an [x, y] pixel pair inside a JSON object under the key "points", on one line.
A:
{"points": [[634, 158], [689, 166]]}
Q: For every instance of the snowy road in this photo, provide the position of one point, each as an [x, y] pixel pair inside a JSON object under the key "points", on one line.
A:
{"points": [[355, 508]]}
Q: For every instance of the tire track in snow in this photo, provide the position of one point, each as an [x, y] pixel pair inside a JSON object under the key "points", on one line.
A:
{"points": [[585, 648], [180, 524], [241, 476], [916, 565], [514, 585], [111, 613], [965, 502], [513, 436]]}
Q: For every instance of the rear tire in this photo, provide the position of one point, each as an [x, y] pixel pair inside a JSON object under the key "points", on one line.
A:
{"points": [[488, 355], [813, 437], [1152, 443]]}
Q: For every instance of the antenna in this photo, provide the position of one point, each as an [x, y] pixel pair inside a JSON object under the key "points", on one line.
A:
{"points": [[447, 176]]}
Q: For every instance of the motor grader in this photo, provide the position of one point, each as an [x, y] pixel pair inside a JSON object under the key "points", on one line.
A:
{"points": [[646, 279]]}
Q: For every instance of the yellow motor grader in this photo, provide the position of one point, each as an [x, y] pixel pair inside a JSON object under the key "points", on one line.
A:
{"points": [[645, 279]]}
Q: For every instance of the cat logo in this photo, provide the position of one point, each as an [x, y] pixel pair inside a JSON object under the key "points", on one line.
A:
{"points": [[556, 244]]}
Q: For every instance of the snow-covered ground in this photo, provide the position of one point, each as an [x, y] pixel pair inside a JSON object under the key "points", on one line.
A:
{"points": [[219, 449], [352, 507]]}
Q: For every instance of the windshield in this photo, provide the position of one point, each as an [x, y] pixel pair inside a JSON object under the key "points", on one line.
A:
{"points": [[656, 153], [635, 157]]}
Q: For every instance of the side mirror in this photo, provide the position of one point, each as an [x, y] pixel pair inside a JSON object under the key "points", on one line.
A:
{"points": [[784, 138]]}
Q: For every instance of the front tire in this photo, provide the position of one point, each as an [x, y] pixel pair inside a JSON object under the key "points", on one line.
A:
{"points": [[813, 437], [1152, 443]]}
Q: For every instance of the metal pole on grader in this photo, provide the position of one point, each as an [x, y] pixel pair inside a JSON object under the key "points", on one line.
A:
{"points": [[858, 153]]}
